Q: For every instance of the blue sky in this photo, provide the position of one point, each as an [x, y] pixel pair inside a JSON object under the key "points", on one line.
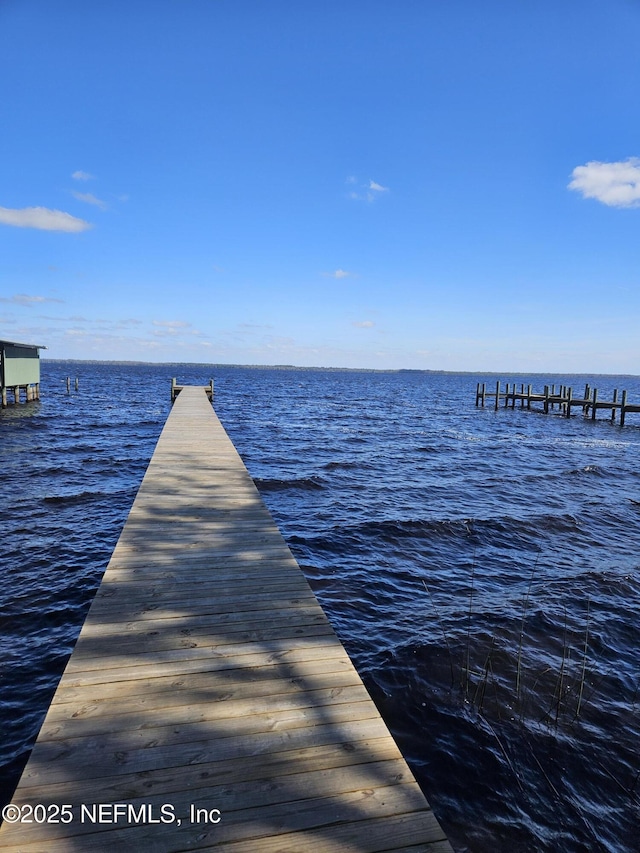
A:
{"points": [[444, 185]]}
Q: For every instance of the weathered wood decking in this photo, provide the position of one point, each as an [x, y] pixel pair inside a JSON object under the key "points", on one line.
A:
{"points": [[207, 675], [563, 398]]}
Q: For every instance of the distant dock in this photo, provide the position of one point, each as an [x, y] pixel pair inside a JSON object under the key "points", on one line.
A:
{"points": [[176, 389], [563, 399], [208, 704]]}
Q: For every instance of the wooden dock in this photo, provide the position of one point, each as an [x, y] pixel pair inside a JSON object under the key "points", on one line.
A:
{"points": [[563, 399], [208, 704]]}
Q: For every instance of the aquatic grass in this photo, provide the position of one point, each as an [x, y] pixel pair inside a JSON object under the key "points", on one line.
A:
{"points": [[516, 776], [482, 685], [444, 633], [525, 605], [558, 691], [473, 570], [522, 697], [584, 660]]}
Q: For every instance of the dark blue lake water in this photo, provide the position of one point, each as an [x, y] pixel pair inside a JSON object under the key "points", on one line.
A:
{"points": [[481, 568]]}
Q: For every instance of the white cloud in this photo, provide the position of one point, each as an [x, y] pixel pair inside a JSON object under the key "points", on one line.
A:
{"points": [[614, 184], [169, 327], [43, 219], [25, 299], [338, 274], [89, 198], [369, 191], [81, 176], [171, 324], [364, 324]]}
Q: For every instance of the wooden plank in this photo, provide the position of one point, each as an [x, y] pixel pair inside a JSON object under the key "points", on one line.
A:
{"points": [[95, 758], [248, 784], [206, 673], [212, 707], [227, 683], [184, 723], [399, 832]]}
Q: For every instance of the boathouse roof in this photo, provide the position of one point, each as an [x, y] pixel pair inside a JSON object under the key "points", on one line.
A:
{"points": [[4, 343]]}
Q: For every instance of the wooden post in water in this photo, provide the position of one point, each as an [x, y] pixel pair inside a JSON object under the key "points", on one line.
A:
{"points": [[569, 395], [497, 394], [613, 408], [623, 407], [77, 383], [528, 396], [593, 407], [546, 399], [587, 394], [68, 384]]}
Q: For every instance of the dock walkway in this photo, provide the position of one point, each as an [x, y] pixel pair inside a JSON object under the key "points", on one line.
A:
{"points": [[208, 704]]}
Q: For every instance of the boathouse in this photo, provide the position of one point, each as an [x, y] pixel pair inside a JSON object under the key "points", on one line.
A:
{"points": [[20, 369]]}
